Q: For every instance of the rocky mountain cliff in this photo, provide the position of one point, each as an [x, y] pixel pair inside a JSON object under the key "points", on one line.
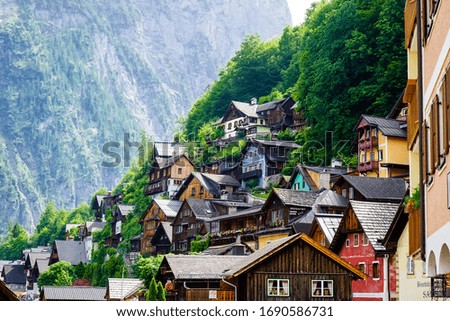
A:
{"points": [[79, 74]]}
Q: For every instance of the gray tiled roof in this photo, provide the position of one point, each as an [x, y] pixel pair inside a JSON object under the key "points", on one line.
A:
{"points": [[14, 274], [277, 143], [95, 226], [329, 224], [247, 212], [296, 198], [168, 229], [119, 289], [168, 149], [213, 182], [377, 189], [73, 252], [169, 207], [200, 266], [33, 256], [389, 127], [74, 293], [125, 209], [270, 105], [42, 265], [246, 108], [329, 198], [202, 209], [375, 219]]}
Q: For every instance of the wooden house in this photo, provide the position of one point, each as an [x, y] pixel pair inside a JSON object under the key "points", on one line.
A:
{"points": [[119, 214], [196, 277], [324, 227], [158, 211], [167, 174], [359, 240], [30, 265], [6, 294], [206, 186], [40, 266], [161, 241], [313, 178], [295, 268], [72, 293], [382, 147], [124, 289], [284, 212], [263, 158], [190, 222], [374, 189]]}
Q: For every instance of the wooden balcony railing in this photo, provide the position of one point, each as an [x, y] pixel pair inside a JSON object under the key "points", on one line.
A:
{"points": [[410, 18]]}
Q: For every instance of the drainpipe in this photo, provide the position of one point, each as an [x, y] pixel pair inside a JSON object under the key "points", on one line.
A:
{"points": [[234, 286], [421, 148], [386, 296]]}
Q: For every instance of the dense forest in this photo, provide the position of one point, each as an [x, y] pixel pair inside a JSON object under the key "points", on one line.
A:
{"points": [[346, 59]]}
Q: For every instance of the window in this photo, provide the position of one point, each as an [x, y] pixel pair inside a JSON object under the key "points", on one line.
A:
{"points": [[363, 158], [277, 287], [344, 193], [410, 266], [180, 171], [375, 132], [375, 270], [235, 123], [380, 155], [179, 229], [347, 243], [368, 133], [362, 267], [351, 193], [365, 239], [277, 216], [229, 125], [193, 191], [322, 288], [355, 240], [202, 189]]}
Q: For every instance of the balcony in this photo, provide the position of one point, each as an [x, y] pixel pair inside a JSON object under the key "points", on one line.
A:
{"points": [[154, 190], [410, 18], [368, 166], [250, 174]]}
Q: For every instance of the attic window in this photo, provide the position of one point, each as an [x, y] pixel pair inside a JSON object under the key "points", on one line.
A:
{"points": [[375, 270]]}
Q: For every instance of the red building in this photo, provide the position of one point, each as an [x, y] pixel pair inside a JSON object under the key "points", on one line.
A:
{"points": [[358, 240]]}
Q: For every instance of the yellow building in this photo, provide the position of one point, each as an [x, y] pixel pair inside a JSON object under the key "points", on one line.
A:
{"points": [[382, 147], [427, 39]]}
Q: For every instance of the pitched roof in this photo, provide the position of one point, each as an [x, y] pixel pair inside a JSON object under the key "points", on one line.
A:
{"points": [[167, 228], [329, 224], [120, 289], [246, 108], [73, 293], [276, 143], [375, 219], [200, 266], [169, 207], [168, 149], [14, 274], [213, 182], [33, 256], [6, 294], [125, 209], [202, 209], [274, 247], [329, 198], [389, 127], [73, 252], [230, 203], [93, 226], [271, 105], [247, 212], [377, 189], [42, 265], [296, 198]]}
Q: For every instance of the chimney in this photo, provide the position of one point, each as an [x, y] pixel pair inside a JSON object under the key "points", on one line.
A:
{"points": [[253, 101], [238, 248]]}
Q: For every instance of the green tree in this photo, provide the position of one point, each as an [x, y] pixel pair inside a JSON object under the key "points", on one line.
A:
{"points": [[146, 268], [16, 241], [155, 291], [61, 273]]}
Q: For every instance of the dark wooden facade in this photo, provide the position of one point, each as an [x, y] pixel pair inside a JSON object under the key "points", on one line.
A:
{"points": [[302, 264]]}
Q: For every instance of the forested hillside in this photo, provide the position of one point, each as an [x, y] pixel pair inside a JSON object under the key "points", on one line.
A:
{"points": [[77, 74], [346, 59]]}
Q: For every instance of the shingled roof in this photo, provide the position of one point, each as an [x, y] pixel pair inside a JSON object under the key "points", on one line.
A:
{"points": [[201, 208], [375, 219], [389, 127], [169, 207], [125, 209], [167, 149], [329, 224], [200, 266], [73, 252], [121, 289], [14, 274], [296, 198], [73, 293], [378, 189]]}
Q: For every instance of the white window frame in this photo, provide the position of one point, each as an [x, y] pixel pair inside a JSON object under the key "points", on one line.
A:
{"points": [[347, 243], [318, 288], [278, 287], [379, 271], [410, 266], [364, 270], [355, 240], [365, 241]]}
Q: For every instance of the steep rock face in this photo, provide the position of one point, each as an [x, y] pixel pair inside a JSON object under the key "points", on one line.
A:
{"points": [[77, 74]]}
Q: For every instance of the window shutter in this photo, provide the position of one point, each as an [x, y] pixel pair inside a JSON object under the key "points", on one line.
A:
{"points": [[446, 96], [424, 152], [434, 137]]}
